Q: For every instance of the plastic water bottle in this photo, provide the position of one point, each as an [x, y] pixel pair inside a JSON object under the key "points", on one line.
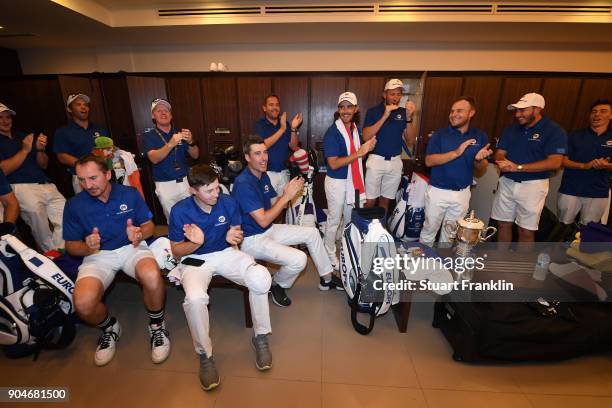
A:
{"points": [[541, 267]]}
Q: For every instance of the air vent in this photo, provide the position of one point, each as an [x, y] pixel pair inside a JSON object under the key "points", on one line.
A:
{"points": [[319, 9], [207, 12], [435, 8], [553, 9]]}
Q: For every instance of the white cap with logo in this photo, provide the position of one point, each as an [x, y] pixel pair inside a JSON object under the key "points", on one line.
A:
{"points": [[527, 100], [4, 108], [74, 97], [349, 97], [393, 83], [160, 102]]}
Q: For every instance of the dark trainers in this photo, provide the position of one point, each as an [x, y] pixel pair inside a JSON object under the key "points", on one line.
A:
{"points": [[334, 283], [160, 342], [107, 345], [279, 296], [263, 355], [209, 377]]}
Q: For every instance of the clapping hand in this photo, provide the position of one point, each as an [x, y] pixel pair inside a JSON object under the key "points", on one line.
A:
{"points": [[41, 142], [234, 235], [93, 240], [484, 153], [193, 233], [134, 233]]}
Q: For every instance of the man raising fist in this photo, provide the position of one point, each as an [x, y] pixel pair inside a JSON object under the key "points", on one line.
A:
{"points": [[106, 224]]}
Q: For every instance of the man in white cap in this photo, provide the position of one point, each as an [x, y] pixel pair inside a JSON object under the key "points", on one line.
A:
{"points": [[168, 148], [22, 159], [527, 153], [76, 139], [391, 124]]}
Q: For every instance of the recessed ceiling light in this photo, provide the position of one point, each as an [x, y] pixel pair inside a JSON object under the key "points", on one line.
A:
{"points": [[1, 27]]}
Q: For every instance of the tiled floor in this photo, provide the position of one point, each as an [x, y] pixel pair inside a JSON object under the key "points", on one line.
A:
{"points": [[319, 360]]}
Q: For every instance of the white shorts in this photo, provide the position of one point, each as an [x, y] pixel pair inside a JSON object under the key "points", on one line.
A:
{"points": [[590, 209], [170, 193], [521, 203], [105, 264], [382, 176], [279, 180]]}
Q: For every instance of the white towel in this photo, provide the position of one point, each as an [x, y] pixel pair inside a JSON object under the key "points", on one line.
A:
{"points": [[350, 188]]}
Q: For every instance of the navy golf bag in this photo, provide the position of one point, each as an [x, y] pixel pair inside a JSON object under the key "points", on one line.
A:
{"points": [[36, 309], [364, 240]]}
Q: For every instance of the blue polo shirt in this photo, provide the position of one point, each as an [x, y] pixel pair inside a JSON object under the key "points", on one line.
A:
{"points": [[83, 212], [5, 187], [583, 146], [29, 171], [215, 225], [528, 145], [174, 166], [389, 137], [77, 141], [456, 174], [252, 194], [278, 153], [335, 146]]}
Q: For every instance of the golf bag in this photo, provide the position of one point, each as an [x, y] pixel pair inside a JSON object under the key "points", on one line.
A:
{"points": [[365, 239], [406, 221], [228, 165], [302, 210], [36, 309]]}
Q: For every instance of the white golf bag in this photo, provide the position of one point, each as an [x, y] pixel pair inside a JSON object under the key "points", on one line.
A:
{"points": [[365, 239], [406, 221], [37, 312]]}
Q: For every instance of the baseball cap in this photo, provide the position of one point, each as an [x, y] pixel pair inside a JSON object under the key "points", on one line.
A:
{"points": [[349, 97], [4, 108], [157, 102], [74, 97], [527, 100], [393, 83]]}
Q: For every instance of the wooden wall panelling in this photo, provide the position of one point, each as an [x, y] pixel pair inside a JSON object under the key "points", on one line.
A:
{"points": [[368, 90], [294, 96], [185, 95], [438, 94], [71, 84], [251, 93], [11, 66], [512, 89], [486, 91], [561, 97], [592, 89], [220, 111], [324, 92], [117, 106]]}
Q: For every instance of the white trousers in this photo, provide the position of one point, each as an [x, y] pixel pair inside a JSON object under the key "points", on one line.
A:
{"points": [[170, 193], [279, 180], [236, 266], [39, 205], [272, 246], [590, 209], [339, 214], [442, 206]]}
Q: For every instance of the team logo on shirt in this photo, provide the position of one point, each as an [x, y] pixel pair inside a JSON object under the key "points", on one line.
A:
{"points": [[608, 143], [123, 207], [398, 116], [266, 188], [535, 136], [221, 220]]}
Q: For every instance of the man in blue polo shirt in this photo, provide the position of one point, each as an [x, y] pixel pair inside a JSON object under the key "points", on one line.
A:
{"points": [[270, 242], [205, 229], [9, 210], [168, 148], [453, 153], [279, 136], [585, 186], [22, 159], [107, 224], [76, 139], [391, 124], [526, 155]]}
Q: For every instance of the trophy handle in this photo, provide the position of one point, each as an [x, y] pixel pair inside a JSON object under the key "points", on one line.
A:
{"points": [[483, 239]]}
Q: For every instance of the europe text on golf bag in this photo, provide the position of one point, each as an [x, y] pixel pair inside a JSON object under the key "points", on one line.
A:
{"points": [[364, 239], [407, 219], [36, 309]]}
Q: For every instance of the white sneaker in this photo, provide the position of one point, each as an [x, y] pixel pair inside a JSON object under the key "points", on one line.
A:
{"points": [[160, 342], [107, 345]]}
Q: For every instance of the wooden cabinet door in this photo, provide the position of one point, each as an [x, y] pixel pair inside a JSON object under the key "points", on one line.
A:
{"points": [[294, 94], [592, 89], [486, 91], [438, 95], [220, 111], [251, 94], [369, 91], [512, 89], [561, 97], [323, 104], [185, 95], [72, 84]]}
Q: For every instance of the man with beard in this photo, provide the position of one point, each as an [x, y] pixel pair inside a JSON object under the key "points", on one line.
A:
{"points": [[527, 154], [76, 139], [270, 242], [453, 153], [22, 159], [391, 124], [167, 148], [107, 224], [279, 136], [585, 186]]}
